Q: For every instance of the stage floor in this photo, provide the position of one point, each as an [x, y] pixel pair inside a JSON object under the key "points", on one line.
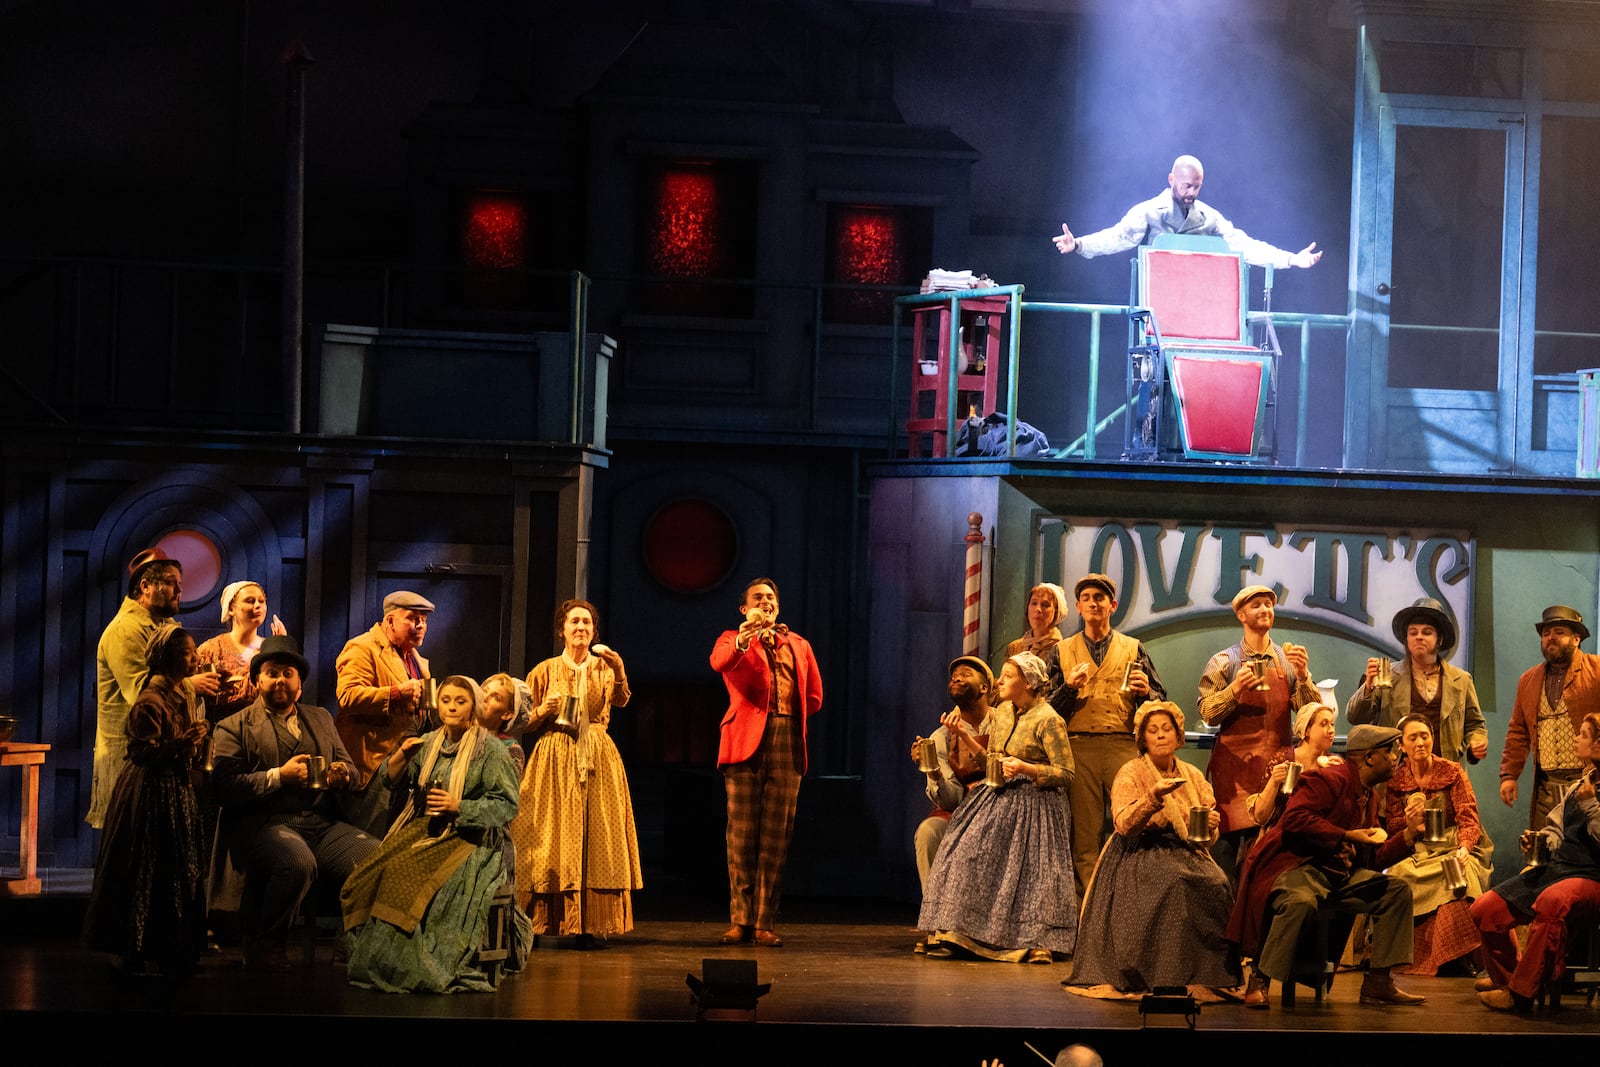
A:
{"points": [[846, 987]]}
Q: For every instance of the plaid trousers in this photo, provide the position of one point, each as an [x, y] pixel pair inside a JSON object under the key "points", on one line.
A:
{"points": [[762, 792]]}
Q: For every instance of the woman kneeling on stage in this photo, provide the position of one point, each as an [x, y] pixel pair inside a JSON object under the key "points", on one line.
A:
{"points": [[1157, 907], [1002, 887], [1552, 896], [418, 909]]}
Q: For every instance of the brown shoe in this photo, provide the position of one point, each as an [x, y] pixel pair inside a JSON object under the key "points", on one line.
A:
{"points": [[1483, 984], [735, 935], [768, 939], [1255, 993], [1380, 989], [1504, 1000]]}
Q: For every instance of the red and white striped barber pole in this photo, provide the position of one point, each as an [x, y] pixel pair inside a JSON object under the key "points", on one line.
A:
{"points": [[974, 588]]}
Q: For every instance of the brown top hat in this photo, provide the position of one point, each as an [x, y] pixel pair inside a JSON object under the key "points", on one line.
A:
{"points": [[1568, 617], [147, 557]]}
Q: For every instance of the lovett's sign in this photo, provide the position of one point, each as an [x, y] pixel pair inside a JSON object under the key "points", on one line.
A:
{"points": [[1348, 581]]}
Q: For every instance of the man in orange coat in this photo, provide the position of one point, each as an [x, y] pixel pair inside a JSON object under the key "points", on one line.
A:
{"points": [[1552, 700], [773, 688], [380, 682]]}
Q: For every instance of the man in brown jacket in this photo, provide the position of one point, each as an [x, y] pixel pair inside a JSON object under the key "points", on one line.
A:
{"points": [[380, 682], [1552, 700]]}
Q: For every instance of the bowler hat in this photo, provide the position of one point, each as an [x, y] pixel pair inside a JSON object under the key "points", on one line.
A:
{"points": [[282, 648], [1432, 612], [1564, 616]]}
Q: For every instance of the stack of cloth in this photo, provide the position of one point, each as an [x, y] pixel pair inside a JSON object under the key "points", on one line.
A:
{"points": [[940, 280]]}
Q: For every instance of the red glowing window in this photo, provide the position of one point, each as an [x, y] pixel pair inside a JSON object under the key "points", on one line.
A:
{"points": [[868, 247], [871, 244], [494, 233], [686, 224], [697, 221]]}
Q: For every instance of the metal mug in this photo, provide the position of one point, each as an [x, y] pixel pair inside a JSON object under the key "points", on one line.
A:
{"points": [[208, 754], [1291, 777], [1455, 879], [995, 770], [1199, 824], [567, 717], [316, 772], [1384, 678], [429, 702], [1259, 665], [1538, 850], [1433, 828], [1126, 673], [927, 755]]}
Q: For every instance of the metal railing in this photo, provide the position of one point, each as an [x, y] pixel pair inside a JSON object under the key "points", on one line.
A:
{"points": [[171, 343], [1094, 425]]}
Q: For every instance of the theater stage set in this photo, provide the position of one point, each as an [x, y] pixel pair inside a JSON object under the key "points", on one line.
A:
{"points": [[506, 323]]}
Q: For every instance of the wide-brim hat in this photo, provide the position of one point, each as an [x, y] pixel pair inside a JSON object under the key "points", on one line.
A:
{"points": [[279, 647], [1432, 612], [976, 664], [1250, 592], [148, 556], [1565, 616]]}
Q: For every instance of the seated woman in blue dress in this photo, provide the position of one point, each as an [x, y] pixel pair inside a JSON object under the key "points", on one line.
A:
{"points": [[417, 910], [1156, 912]]}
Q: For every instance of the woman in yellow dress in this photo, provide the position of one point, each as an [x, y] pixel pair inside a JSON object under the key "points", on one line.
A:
{"points": [[577, 852]]}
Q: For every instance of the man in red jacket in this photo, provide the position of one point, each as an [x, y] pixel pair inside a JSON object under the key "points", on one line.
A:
{"points": [[773, 688], [1328, 850]]}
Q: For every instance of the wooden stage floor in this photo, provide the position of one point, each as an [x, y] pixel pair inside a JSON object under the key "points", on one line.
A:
{"points": [[846, 986]]}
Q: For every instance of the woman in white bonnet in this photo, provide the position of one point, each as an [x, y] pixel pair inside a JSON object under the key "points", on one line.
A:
{"points": [[244, 607]]}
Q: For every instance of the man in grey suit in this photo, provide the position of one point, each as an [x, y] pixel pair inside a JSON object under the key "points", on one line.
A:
{"points": [[280, 820]]}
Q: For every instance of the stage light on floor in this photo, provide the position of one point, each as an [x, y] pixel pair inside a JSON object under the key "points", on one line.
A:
{"points": [[1168, 1000], [727, 991]]}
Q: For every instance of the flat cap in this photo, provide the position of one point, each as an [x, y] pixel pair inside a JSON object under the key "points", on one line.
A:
{"points": [[1250, 592], [976, 664], [1102, 580], [1366, 737], [406, 600]]}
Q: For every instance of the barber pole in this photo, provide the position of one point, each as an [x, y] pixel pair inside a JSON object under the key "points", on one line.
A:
{"points": [[969, 622]]}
